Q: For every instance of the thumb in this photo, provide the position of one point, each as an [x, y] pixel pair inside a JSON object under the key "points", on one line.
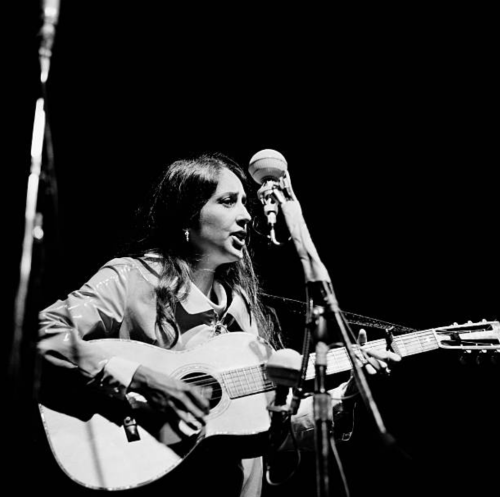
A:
{"points": [[362, 337]]}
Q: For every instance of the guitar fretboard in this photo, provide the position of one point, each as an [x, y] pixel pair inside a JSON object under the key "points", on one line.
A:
{"points": [[253, 379], [247, 381], [414, 343]]}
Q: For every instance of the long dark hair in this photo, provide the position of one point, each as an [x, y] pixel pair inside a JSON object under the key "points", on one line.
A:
{"points": [[174, 205]]}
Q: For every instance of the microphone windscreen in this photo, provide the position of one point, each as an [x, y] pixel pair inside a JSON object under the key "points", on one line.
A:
{"points": [[267, 164], [283, 367]]}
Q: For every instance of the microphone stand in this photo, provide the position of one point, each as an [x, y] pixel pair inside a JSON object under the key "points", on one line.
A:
{"points": [[24, 380], [318, 285], [323, 412]]}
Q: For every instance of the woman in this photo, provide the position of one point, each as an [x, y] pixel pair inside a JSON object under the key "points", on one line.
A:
{"points": [[186, 279]]}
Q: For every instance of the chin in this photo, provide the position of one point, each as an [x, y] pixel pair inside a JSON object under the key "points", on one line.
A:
{"points": [[234, 256], [238, 256]]}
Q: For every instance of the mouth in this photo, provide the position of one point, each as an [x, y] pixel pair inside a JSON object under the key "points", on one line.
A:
{"points": [[239, 238]]}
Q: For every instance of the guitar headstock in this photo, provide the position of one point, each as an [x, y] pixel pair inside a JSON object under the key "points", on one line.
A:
{"points": [[482, 335], [475, 340]]}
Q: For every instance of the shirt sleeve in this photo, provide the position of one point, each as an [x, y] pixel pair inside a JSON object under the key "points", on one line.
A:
{"points": [[68, 330]]}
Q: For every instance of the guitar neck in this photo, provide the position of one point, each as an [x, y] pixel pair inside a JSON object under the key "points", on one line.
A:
{"points": [[414, 343], [250, 380], [480, 336]]}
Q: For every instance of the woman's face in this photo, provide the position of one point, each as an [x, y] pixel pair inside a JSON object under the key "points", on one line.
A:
{"points": [[221, 235]]}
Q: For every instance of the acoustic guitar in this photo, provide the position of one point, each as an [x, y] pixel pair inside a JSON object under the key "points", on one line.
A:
{"points": [[105, 444]]}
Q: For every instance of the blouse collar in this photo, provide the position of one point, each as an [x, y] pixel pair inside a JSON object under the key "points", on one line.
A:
{"points": [[196, 301]]}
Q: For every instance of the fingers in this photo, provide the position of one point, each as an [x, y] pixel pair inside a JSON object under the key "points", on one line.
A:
{"points": [[384, 355], [375, 361], [188, 422], [175, 399], [393, 356], [370, 368], [363, 359], [362, 337], [196, 404], [288, 186], [189, 403], [185, 415], [373, 366], [369, 363]]}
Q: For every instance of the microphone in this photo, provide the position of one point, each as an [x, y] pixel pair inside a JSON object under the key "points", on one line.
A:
{"points": [[50, 16], [267, 165], [268, 168], [283, 369]]}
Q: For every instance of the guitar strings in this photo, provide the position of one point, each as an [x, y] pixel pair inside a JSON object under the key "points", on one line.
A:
{"points": [[411, 345], [252, 379]]}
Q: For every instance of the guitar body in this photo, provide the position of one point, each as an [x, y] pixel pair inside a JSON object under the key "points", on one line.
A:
{"points": [[94, 450]]}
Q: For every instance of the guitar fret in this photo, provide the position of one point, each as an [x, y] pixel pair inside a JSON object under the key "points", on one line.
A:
{"points": [[237, 377], [413, 346], [340, 361], [425, 342], [337, 361], [400, 346], [247, 381], [419, 342]]}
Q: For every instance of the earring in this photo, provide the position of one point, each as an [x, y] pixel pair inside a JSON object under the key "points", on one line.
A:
{"points": [[186, 235]]}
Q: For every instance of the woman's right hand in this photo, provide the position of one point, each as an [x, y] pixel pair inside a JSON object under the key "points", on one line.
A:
{"points": [[173, 399]]}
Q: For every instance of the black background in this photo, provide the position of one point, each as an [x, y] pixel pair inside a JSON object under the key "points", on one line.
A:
{"points": [[388, 123]]}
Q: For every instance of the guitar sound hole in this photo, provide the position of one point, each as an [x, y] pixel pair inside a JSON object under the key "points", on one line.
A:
{"points": [[210, 387]]}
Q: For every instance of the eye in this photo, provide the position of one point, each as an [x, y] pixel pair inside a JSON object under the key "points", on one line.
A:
{"points": [[229, 200]]}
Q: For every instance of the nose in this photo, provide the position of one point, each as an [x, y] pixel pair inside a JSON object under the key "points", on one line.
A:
{"points": [[244, 216]]}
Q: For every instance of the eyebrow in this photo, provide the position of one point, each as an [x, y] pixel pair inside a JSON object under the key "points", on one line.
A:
{"points": [[232, 193]]}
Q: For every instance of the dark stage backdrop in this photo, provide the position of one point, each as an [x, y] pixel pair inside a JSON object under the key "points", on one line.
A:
{"points": [[391, 145]]}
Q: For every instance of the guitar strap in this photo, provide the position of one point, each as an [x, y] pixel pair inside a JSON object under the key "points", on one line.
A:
{"points": [[148, 267]]}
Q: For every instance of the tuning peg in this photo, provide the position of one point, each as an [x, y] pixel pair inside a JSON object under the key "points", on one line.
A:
{"points": [[495, 358], [482, 357], [465, 358]]}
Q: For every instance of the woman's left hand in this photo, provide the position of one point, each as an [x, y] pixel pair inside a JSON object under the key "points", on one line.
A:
{"points": [[375, 361]]}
